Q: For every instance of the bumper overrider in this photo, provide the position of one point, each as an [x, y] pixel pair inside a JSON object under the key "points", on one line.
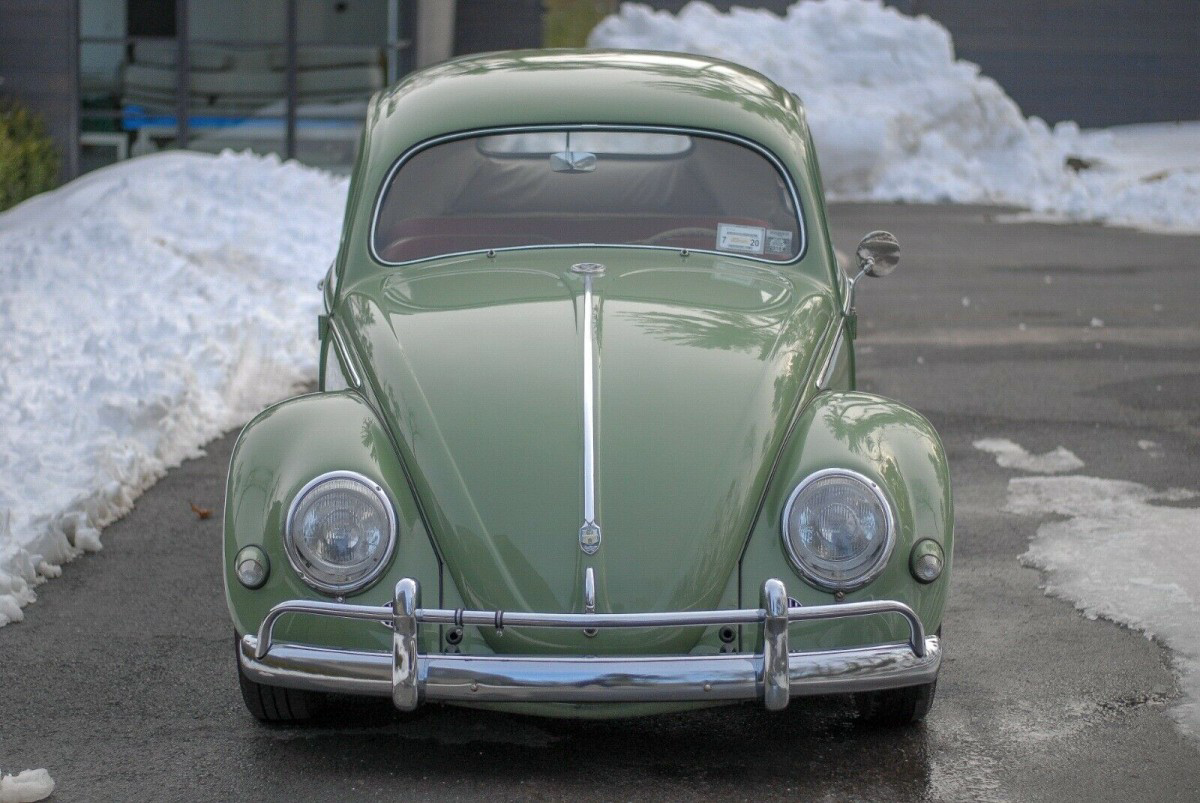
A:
{"points": [[410, 678]]}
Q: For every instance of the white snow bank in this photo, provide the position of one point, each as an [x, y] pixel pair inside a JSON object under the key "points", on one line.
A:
{"points": [[1123, 553], [896, 117], [26, 787], [146, 308], [1012, 455], [1145, 176]]}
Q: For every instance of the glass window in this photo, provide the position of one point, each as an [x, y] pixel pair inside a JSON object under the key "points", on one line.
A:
{"points": [[549, 188]]}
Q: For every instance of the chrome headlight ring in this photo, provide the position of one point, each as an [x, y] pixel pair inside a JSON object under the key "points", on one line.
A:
{"points": [[375, 542], [818, 571]]}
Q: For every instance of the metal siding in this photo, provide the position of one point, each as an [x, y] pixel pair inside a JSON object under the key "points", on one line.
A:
{"points": [[777, 6], [1098, 62], [484, 25], [39, 62]]}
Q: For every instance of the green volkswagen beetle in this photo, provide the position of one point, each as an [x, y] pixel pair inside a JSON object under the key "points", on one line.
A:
{"points": [[587, 441]]}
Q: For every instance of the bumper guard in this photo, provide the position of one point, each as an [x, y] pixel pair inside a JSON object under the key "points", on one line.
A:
{"points": [[772, 676]]}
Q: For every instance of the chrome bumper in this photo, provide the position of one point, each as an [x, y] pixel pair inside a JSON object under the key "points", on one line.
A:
{"points": [[772, 676]]}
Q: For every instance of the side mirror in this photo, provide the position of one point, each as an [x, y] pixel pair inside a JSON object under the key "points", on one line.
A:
{"points": [[878, 254]]}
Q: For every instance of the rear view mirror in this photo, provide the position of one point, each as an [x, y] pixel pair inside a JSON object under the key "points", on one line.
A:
{"points": [[573, 162]]}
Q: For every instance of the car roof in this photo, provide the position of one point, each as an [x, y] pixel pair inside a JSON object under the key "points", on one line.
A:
{"points": [[580, 87], [617, 87]]}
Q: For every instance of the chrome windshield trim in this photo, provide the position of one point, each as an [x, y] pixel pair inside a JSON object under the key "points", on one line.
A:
{"points": [[478, 132], [344, 354]]}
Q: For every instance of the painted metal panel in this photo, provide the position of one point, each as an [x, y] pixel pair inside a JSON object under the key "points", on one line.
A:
{"points": [[39, 62]]}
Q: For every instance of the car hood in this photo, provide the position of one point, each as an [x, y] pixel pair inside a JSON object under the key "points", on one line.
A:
{"points": [[478, 366]]}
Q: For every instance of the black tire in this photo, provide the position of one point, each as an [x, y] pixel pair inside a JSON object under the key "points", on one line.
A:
{"points": [[893, 708], [275, 703]]}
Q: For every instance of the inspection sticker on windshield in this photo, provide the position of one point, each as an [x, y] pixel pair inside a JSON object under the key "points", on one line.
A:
{"points": [[744, 239], [779, 242]]}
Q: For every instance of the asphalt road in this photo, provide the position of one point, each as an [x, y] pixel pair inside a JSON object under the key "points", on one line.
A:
{"points": [[121, 680]]}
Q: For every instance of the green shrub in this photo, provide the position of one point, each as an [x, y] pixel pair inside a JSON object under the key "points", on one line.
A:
{"points": [[567, 23], [28, 159]]}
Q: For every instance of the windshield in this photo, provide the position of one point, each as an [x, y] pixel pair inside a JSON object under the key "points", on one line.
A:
{"points": [[549, 188]]}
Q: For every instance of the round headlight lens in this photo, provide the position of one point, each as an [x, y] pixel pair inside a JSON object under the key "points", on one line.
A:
{"points": [[838, 529], [340, 532]]}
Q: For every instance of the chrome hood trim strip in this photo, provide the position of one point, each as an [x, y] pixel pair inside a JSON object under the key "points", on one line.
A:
{"points": [[589, 532]]}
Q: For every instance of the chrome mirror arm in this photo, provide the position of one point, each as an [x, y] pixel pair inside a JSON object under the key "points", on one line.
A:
{"points": [[851, 287], [878, 254]]}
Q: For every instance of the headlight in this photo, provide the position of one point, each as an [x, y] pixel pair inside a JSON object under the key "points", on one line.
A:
{"points": [[926, 560], [252, 566], [340, 532], [838, 528]]}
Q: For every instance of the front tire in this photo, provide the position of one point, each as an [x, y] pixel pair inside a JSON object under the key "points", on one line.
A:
{"points": [[274, 704], [893, 708]]}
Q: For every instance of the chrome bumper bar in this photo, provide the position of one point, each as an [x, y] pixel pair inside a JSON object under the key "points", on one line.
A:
{"points": [[772, 676]]}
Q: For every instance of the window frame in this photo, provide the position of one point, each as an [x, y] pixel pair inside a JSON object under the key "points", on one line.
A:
{"points": [[775, 162]]}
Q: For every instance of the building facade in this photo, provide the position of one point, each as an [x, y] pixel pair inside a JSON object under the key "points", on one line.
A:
{"points": [[1098, 62]]}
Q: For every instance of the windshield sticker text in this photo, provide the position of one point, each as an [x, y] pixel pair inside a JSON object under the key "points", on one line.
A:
{"points": [[779, 242], [743, 239]]}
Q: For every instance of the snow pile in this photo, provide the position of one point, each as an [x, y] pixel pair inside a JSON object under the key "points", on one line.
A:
{"points": [[1145, 176], [1122, 551], [896, 117], [1012, 455], [146, 308], [26, 787]]}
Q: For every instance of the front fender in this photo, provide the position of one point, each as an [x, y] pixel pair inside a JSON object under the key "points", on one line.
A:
{"points": [[893, 445], [279, 451]]}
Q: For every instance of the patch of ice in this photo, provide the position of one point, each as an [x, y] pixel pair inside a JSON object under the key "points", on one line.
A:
{"points": [[146, 308], [897, 117], [1153, 448], [1012, 455], [26, 787], [1123, 555]]}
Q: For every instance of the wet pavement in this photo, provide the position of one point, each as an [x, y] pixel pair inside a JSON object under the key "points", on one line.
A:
{"points": [[121, 680]]}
